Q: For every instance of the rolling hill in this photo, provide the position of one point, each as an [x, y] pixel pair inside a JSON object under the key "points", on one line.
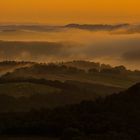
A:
{"points": [[93, 73], [40, 93], [10, 66]]}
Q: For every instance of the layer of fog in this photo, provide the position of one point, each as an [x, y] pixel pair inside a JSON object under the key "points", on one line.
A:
{"points": [[118, 47]]}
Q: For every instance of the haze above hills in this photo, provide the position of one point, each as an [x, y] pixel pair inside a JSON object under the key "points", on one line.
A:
{"points": [[114, 44]]}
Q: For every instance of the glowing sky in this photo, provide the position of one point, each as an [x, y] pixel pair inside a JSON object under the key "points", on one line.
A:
{"points": [[68, 11]]}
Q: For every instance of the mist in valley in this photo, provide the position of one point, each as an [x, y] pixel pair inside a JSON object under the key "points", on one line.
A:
{"points": [[115, 45]]}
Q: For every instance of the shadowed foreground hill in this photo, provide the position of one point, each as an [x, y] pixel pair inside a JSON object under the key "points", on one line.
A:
{"points": [[114, 118]]}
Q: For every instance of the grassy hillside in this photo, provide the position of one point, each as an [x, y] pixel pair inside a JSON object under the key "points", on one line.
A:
{"points": [[26, 89], [25, 94]]}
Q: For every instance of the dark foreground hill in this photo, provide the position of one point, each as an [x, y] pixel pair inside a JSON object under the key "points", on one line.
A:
{"points": [[117, 117]]}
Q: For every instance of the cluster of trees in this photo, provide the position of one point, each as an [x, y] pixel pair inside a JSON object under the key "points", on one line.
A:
{"points": [[118, 70], [93, 67], [46, 69], [64, 69], [53, 68], [14, 62], [67, 68]]}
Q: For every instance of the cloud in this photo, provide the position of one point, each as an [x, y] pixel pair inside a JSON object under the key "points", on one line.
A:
{"points": [[133, 55], [46, 28], [97, 27], [37, 51]]}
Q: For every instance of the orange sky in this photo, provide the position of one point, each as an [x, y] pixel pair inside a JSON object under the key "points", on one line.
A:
{"points": [[69, 11]]}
